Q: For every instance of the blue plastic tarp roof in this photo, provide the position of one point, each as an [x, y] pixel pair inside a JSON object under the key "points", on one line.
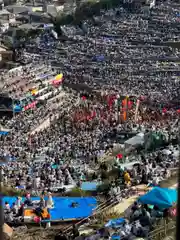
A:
{"points": [[42, 76], [3, 132], [99, 58], [89, 186], [161, 197], [62, 207]]}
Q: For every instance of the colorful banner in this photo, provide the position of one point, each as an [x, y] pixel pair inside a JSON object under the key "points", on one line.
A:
{"points": [[58, 79], [30, 106], [59, 76]]}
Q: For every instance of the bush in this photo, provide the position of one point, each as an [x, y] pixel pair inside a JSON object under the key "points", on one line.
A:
{"points": [[114, 173], [104, 187], [77, 192], [9, 191], [104, 175]]}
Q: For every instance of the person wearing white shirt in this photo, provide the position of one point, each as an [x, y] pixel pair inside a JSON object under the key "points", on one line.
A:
{"points": [[50, 202], [18, 202]]}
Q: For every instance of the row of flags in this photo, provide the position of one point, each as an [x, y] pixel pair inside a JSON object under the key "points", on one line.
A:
{"points": [[112, 102], [55, 82], [32, 93], [124, 104]]}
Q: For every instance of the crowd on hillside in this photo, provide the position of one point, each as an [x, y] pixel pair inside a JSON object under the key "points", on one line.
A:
{"points": [[113, 55], [120, 52]]}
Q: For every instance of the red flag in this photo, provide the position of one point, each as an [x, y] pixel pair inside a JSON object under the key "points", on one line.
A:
{"points": [[119, 156], [83, 98], [164, 110], [130, 103], [111, 100]]}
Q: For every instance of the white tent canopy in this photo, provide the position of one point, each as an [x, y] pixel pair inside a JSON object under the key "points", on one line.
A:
{"points": [[135, 141]]}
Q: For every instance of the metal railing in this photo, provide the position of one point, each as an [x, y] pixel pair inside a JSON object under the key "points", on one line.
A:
{"points": [[168, 228]]}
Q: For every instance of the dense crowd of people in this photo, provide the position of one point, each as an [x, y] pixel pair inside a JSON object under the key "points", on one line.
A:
{"points": [[111, 56]]}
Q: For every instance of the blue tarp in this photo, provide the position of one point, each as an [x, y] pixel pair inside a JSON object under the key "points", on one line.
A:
{"points": [[45, 76], [115, 222], [62, 207], [89, 186], [3, 132], [161, 197], [17, 108], [99, 58], [21, 187], [115, 237]]}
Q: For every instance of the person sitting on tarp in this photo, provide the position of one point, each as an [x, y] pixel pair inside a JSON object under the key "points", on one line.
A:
{"points": [[28, 200], [74, 204]]}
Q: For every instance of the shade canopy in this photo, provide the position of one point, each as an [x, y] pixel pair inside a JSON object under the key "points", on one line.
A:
{"points": [[161, 197]]}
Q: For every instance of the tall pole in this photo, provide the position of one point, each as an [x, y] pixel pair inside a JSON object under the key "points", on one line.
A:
{"points": [[136, 110], [125, 110]]}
